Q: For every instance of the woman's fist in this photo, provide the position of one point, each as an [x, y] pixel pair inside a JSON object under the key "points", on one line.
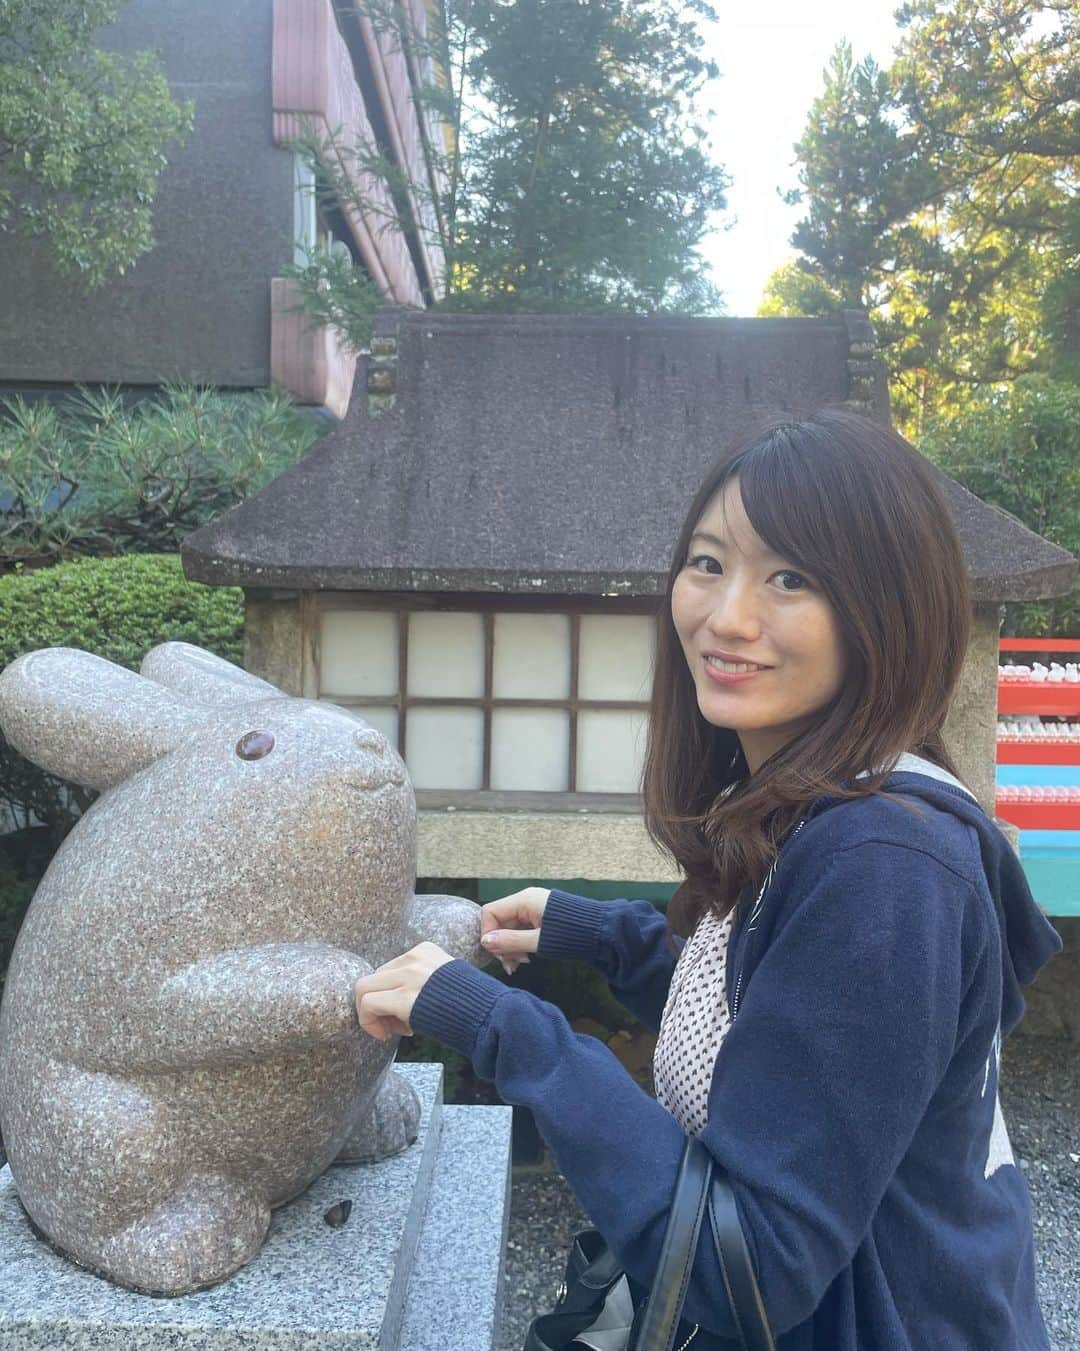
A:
{"points": [[385, 999], [510, 926]]}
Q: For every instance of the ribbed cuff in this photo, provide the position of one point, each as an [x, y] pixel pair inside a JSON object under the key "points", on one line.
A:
{"points": [[571, 926], [454, 1003]]}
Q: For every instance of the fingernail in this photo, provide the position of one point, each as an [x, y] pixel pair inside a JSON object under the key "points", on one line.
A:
{"points": [[489, 938]]}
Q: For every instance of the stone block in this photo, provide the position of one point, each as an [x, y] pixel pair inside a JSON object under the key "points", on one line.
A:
{"points": [[1053, 1001], [455, 1294]]}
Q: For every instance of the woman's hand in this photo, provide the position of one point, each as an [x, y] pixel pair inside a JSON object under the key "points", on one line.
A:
{"points": [[510, 926], [385, 999]]}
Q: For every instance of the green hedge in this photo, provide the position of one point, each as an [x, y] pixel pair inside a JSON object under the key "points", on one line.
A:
{"points": [[117, 608]]}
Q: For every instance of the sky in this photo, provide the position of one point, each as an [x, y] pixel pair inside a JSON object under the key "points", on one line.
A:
{"points": [[771, 54]]}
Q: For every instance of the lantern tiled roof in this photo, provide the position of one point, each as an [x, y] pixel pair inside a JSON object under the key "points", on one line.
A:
{"points": [[545, 454]]}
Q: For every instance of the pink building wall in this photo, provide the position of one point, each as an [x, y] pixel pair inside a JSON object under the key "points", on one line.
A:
{"points": [[315, 93]]}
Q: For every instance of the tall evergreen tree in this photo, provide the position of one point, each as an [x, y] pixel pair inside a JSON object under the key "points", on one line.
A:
{"points": [[938, 194], [579, 176], [584, 179]]}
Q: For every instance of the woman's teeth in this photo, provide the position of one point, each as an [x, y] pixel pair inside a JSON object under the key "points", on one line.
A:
{"points": [[733, 667]]}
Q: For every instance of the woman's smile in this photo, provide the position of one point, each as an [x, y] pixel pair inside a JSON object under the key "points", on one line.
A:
{"points": [[730, 673], [728, 670]]}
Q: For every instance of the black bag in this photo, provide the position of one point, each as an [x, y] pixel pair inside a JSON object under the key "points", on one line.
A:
{"points": [[595, 1304]]}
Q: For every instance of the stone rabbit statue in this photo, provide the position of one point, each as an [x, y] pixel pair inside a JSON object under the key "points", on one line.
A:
{"points": [[179, 1047]]}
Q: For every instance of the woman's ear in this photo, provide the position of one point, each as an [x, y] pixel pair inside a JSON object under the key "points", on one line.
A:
{"points": [[197, 674], [89, 720]]}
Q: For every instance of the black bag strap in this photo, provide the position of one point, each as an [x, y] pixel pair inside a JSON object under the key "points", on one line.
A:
{"points": [[658, 1326], [739, 1280], [700, 1186]]}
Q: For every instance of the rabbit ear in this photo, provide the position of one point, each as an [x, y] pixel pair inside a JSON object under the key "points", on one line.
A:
{"points": [[89, 720], [197, 674]]}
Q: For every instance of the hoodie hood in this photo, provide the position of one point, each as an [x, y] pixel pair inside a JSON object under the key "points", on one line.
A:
{"points": [[1029, 940]]}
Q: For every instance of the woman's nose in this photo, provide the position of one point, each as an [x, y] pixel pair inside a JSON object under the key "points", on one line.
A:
{"points": [[734, 614]]}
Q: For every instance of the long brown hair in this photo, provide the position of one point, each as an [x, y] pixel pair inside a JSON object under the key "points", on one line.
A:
{"points": [[852, 503]]}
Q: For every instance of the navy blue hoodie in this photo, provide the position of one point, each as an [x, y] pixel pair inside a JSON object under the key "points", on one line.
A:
{"points": [[854, 1102]]}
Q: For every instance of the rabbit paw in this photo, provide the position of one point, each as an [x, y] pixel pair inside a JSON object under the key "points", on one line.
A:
{"points": [[204, 1232], [450, 921], [387, 1126]]}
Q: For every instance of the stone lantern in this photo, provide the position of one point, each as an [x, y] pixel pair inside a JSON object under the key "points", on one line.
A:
{"points": [[472, 560]]}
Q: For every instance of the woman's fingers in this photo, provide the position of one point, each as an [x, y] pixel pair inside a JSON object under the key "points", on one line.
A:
{"points": [[504, 914], [385, 998], [521, 910], [385, 1013], [510, 926], [390, 976], [511, 946], [510, 942]]}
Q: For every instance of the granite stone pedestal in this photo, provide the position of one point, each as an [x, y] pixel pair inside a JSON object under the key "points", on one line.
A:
{"points": [[416, 1265]]}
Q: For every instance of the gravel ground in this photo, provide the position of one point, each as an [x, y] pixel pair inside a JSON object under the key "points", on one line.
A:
{"points": [[1040, 1092], [1040, 1096]]}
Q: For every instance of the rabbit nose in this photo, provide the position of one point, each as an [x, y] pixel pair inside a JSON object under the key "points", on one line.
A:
{"points": [[380, 766], [368, 739]]}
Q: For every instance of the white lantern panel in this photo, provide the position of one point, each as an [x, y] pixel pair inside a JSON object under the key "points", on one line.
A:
{"points": [[530, 749], [615, 657], [383, 718], [444, 747], [610, 750], [358, 652], [532, 657], [446, 655]]}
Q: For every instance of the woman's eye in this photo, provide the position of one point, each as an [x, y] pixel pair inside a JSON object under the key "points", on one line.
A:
{"points": [[703, 563], [791, 581]]}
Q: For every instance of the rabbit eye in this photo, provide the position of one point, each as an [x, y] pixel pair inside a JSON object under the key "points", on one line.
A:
{"points": [[254, 745]]}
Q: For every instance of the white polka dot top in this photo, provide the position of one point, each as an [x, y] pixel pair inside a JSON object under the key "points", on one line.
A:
{"points": [[694, 1023]]}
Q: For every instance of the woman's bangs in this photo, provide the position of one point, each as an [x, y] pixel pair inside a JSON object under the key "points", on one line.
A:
{"points": [[783, 503]]}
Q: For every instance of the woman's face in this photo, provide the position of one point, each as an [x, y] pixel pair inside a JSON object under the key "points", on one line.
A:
{"points": [[762, 642]]}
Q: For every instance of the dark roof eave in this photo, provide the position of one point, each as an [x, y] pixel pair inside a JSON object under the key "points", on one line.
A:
{"points": [[570, 436], [217, 571], [1039, 584]]}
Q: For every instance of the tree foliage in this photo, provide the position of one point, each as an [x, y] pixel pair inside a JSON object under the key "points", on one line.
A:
{"points": [[584, 179], [578, 176], [1018, 447], [794, 290], [938, 195], [82, 133]]}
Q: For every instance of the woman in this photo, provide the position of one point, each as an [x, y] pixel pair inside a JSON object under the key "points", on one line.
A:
{"points": [[859, 929]]}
